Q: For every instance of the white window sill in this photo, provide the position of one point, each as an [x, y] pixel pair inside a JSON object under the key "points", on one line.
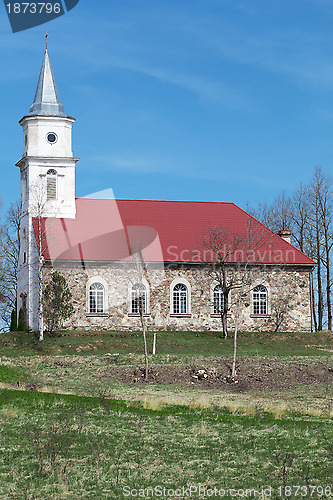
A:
{"points": [[260, 315], [137, 315], [180, 315], [217, 315], [93, 315]]}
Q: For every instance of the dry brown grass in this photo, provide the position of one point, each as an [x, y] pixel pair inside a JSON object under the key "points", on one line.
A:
{"points": [[11, 412], [279, 411], [200, 403]]}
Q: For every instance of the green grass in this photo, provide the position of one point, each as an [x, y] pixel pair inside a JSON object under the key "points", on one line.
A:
{"points": [[89, 375], [182, 344], [58, 446], [70, 447], [10, 374], [76, 363]]}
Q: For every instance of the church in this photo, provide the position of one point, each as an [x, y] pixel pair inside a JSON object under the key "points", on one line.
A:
{"points": [[126, 258]]}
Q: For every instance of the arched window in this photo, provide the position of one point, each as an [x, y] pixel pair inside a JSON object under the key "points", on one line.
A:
{"points": [[96, 298], [51, 184], [138, 299], [179, 299], [218, 299], [260, 300]]}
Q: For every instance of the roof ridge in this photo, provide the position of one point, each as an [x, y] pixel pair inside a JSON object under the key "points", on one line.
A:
{"points": [[159, 201], [274, 233]]}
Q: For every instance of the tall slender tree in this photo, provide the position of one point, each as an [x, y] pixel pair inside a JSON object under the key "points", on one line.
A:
{"points": [[308, 213], [138, 275], [9, 258], [321, 195]]}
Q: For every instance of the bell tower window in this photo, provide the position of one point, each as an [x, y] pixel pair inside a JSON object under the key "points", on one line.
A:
{"points": [[51, 137], [51, 184]]}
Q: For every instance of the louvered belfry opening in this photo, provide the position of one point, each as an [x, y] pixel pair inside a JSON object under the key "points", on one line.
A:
{"points": [[51, 184]]}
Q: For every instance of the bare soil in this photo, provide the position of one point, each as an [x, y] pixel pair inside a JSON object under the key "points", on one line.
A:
{"points": [[260, 374]]}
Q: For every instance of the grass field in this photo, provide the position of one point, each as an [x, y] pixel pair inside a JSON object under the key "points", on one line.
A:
{"points": [[182, 345], [72, 429], [68, 447]]}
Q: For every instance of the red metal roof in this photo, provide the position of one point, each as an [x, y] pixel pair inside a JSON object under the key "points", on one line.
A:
{"points": [[166, 231]]}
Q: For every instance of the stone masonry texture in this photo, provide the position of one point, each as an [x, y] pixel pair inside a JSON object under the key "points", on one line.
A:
{"points": [[287, 287]]}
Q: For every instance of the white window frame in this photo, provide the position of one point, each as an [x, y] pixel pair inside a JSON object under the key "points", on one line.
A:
{"points": [[51, 174], [101, 281], [147, 290], [212, 302], [267, 293], [181, 281]]}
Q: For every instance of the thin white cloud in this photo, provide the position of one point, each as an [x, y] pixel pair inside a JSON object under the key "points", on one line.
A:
{"points": [[136, 164], [122, 46], [205, 87], [299, 55], [230, 96]]}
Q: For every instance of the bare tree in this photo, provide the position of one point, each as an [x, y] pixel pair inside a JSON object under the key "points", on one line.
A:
{"points": [[304, 238], [42, 231], [308, 213], [322, 190], [299, 216], [223, 246], [140, 272], [276, 215], [9, 257], [279, 308], [250, 270], [236, 266], [318, 244]]}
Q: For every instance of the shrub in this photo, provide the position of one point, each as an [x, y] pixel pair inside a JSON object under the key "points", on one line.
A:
{"points": [[21, 327], [57, 303], [13, 321]]}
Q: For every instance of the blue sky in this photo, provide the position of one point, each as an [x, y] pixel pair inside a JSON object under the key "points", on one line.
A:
{"points": [[219, 100]]}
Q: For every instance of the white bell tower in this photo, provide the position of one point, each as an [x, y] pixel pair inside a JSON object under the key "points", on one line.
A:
{"points": [[47, 165], [47, 171]]}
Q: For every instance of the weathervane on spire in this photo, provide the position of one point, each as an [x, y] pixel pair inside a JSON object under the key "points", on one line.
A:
{"points": [[46, 39]]}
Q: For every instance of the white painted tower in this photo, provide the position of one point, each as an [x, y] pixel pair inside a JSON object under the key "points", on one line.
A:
{"points": [[47, 171]]}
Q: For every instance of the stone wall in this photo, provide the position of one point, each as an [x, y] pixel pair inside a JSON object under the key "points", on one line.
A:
{"points": [[288, 297]]}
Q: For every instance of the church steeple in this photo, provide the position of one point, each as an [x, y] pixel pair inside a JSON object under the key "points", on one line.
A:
{"points": [[47, 170], [47, 158], [47, 100]]}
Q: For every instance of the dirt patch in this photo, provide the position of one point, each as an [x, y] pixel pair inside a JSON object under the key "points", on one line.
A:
{"points": [[260, 374]]}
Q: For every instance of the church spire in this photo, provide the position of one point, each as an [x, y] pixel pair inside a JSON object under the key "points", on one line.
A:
{"points": [[47, 100]]}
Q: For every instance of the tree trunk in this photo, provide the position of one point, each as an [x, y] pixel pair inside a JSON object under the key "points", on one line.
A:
{"points": [[224, 326], [313, 309], [319, 282], [328, 282], [144, 341], [154, 343], [40, 305], [221, 335], [320, 298], [233, 369], [224, 312]]}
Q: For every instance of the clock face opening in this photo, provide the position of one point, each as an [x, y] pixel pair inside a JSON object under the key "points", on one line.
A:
{"points": [[51, 137]]}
